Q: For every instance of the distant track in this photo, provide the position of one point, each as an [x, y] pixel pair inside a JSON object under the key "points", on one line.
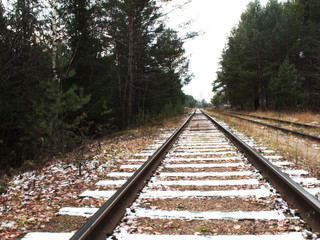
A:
{"points": [[300, 134], [178, 186], [278, 120]]}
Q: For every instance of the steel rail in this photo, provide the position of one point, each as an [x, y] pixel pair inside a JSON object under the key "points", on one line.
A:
{"points": [[103, 222], [278, 120], [293, 193], [315, 138]]}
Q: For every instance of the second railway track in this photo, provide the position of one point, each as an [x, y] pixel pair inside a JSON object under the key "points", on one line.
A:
{"points": [[300, 130], [204, 188]]}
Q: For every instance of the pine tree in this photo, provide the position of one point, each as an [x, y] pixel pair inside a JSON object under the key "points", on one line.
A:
{"points": [[169, 74], [25, 67], [307, 13], [286, 87], [87, 65], [132, 28], [60, 85], [265, 40]]}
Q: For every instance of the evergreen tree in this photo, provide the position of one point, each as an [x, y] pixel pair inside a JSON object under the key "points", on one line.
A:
{"points": [[251, 35], [82, 67], [77, 18], [87, 65], [6, 127], [242, 63], [190, 101], [169, 73], [267, 41], [132, 28], [307, 13], [286, 87], [26, 66]]}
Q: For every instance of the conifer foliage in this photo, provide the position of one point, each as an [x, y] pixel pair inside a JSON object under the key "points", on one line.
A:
{"points": [[272, 58], [75, 69]]}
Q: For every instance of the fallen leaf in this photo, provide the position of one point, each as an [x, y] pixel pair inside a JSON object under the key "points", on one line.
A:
{"points": [[237, 227]]}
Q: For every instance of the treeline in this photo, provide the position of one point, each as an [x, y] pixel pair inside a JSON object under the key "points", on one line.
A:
{"points": [[272, 58], [70, 69]]}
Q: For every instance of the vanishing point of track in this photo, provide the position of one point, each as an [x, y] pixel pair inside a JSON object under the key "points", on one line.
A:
{"points": [[202, 181]]}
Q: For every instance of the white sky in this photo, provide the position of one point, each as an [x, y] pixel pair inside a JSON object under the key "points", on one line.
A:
{"points": [[216, 19]]}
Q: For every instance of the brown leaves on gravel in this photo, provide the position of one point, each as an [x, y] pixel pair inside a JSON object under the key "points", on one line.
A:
{"points": [[206, 227], [32, 199], [207, 204]]}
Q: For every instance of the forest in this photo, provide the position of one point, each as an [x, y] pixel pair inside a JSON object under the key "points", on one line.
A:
{"points": [[77, 69], [272, 58]]}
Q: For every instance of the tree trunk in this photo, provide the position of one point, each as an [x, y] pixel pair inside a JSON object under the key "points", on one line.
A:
{"points": [[54, 42], [131, 66], [258, 84]]}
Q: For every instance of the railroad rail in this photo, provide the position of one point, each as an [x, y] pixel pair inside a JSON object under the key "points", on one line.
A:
{"points": [[289, 189], [194, 173], [300, 134], [279, 120]]}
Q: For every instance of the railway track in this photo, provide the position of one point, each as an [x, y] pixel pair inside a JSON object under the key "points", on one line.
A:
{"points": [[299, 129], [199, 185], [279, 121]]}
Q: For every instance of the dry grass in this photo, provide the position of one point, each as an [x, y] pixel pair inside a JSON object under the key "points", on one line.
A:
{"points": [[303, 153], [301, 117]]}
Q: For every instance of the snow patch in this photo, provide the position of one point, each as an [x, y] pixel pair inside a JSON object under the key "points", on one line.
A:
{"points": [[263, 192], [210, 215], [205, 174], [286, 236], [97, 194], [74, 211], [48, 236], [208, 182]]}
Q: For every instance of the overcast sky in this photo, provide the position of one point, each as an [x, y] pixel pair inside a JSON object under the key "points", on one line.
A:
{"points": [[215, 18]]}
